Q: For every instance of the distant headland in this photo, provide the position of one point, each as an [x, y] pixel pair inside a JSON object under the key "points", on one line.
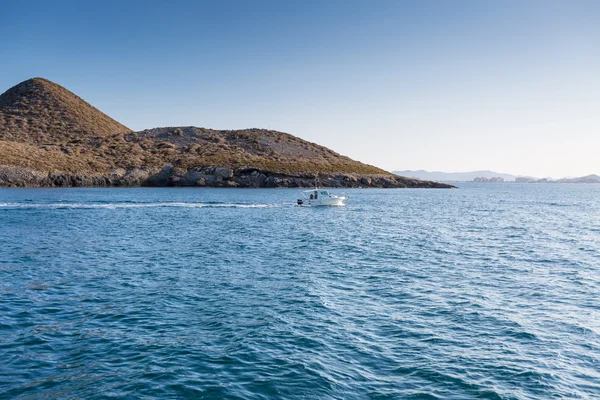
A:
{"points": [[490, 177], [455, 176], [582, 179], [50, 137]]}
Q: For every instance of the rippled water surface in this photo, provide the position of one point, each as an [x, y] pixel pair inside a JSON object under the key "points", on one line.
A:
{"points": [[488, 291]]}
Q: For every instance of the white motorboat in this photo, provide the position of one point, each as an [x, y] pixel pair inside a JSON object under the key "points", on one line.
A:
{"points": [[320, 197]]}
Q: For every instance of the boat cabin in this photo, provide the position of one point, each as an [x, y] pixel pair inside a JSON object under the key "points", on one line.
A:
{"points": [[320, 197], [314, 194]]}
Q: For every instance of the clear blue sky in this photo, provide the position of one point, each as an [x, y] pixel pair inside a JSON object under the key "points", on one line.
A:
{"points": [[512, 86]]}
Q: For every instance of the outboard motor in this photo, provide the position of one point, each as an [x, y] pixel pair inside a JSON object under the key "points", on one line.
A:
{"points": [[300, 202]]}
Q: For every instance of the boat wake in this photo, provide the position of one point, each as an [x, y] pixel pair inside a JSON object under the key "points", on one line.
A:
{"points": [[133, 205]]}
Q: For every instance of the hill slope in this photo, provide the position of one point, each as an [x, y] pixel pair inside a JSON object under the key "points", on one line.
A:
{"points": [[39, 111], [51, 137]]}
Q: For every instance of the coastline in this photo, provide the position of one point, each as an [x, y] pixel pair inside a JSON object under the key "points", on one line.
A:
{"points": [[217, 177]]}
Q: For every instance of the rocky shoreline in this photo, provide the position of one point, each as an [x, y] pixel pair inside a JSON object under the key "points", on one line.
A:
{"points": [[209, 176]]}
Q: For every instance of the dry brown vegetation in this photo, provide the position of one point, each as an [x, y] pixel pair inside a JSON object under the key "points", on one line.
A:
{"points": [[42, 112], [45, 127]]}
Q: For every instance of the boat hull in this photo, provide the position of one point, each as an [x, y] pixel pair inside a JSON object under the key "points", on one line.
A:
{"points": [[327, 201]]}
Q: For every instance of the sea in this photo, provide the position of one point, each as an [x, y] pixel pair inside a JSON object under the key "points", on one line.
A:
{"points": [[488, 291]]}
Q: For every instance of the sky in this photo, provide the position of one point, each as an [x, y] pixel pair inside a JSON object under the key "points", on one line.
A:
{"points": [[509, 86]]}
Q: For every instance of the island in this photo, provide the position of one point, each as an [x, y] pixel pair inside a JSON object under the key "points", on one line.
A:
{"points": [[50, 137]]}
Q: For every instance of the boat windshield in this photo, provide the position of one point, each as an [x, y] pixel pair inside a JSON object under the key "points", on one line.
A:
{"points": [[314, 194]]}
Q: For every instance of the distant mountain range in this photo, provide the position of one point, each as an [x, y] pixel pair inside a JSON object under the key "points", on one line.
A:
{"points": [[489, 176], [454, 176]]}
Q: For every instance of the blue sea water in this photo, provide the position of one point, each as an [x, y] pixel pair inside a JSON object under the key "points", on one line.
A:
{"points": [[490, 291]]}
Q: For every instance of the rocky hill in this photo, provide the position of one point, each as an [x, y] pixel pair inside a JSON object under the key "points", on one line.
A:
{"points": [[51, 137], [41, 112]]}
